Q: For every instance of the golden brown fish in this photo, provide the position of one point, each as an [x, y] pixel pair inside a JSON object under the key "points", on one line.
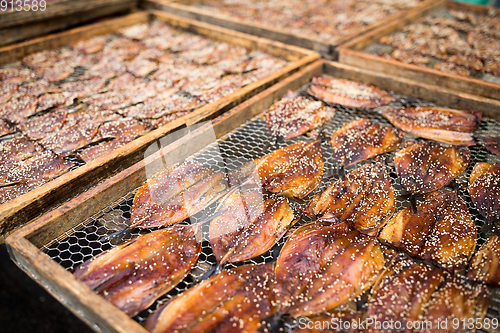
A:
{"points": [[484, 189], [250, 224], [442, 231], [323, 265], [292, 171], [175, 194], [235, 300], [365, 199], [427, 166], [485, 265], [294, 115], [361, 139], [450, 126], [348, 93], [402, 295], [134, 274], [460, 302]]}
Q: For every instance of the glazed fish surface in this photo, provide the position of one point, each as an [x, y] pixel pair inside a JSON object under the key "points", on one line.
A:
{"points": [[134, 274], [450, 126], [364, 200], [250, 224], [427, 166], [293, 171], [442, 231], [493, 145], [484, 189], [485, 265], [323, 265], [294, 115], [361, 139], [348, 93], [402, 294], [235, 300], [175, 194]]}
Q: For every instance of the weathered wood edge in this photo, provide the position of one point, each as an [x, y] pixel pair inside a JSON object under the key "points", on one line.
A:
{"points": [[20, 210], [327, 50], [12, 18], [23, 244], [350, 53]]}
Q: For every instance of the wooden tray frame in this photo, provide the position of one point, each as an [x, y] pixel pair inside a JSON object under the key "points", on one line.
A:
{"points": [[19, 25], [184, 8], [351, 54], [24, 245], [22, 209]]}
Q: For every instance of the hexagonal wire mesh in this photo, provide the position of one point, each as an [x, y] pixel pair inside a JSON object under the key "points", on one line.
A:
{"points": [[249, 141]]}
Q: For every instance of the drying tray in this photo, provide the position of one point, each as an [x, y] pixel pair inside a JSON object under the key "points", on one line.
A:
{"points": [[24, 21], [191, 9], [22, 209], [360, 51], [60, 240]]}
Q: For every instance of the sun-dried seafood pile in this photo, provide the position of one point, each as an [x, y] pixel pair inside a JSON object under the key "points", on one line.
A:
{"points": [[326, 20], [459, 42], [85, 100], [331, 240]]}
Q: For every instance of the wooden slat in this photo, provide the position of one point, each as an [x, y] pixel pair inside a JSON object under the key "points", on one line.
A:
{"points": [[25, 243], [21, 210], [328, 50], [351, 53]]}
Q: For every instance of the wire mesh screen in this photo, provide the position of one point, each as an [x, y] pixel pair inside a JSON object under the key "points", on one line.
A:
{"points": [[249, 141]]}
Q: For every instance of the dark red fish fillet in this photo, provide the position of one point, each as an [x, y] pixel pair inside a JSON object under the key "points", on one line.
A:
{"points": [[493, 145], [485, 265], [250, 224], [361, 139], [442, 231], [294, 115], [48, 101], [365, 199], [110, 100], [106, 68], [90, 114], [18, 109], [42, 126], [91, 153], [484, 189], [84, 88], [154, 109], [17, 149], [134, 274], [348, 93], [450, 126], [6, 91], [236, 300], [427, 166], [324, 265], [122, 129], [8, 193], [68, 139]]}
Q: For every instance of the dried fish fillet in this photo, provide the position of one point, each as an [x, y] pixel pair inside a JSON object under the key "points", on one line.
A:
{"points": [[48, 101], [361, 139], [427, 166], [365, 199], [175, 194], [292, 171], [235, 300], [250, 224], [294, 115], [17, 149], [91, 153], [7, 90], [122, 129], [484, 189], [134, 274], [16, 110], [442, 231], [450, 126], [43, 126], [69, 139], [5, 128], [493, 145], [341, 321], [348, 93], [16, 75], [323, 265], [458, 301], [91, 45], [485, 265], [403, 294]]}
